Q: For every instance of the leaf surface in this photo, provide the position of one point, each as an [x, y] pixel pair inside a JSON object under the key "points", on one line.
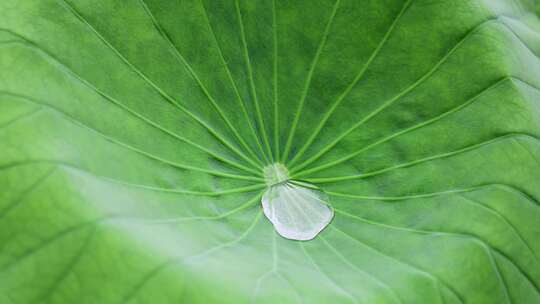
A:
{"points": [[134, 137]]}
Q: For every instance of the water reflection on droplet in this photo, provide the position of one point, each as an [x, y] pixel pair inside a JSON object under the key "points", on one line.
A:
{"points": [[298, 211]]}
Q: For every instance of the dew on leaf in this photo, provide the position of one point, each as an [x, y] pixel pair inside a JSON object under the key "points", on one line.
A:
{"points": [[297, 210]]}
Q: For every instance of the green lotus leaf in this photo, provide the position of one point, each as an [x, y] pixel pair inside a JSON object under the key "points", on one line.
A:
{"points": [[138, 139]]}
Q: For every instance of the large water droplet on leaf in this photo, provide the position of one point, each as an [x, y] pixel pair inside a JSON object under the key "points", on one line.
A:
{"points": [[297, 210]]}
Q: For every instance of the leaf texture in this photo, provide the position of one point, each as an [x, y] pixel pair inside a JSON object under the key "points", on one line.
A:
{"points": [[134, 136]]}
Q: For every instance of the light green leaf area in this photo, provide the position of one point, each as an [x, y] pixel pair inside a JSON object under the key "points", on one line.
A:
{"points": [[134, 133]]}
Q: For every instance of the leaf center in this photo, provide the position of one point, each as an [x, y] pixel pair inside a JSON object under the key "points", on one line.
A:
{"points": [[275, 173]]}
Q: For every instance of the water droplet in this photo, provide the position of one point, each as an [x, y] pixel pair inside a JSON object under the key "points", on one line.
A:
{"points": [[297, 210]]}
